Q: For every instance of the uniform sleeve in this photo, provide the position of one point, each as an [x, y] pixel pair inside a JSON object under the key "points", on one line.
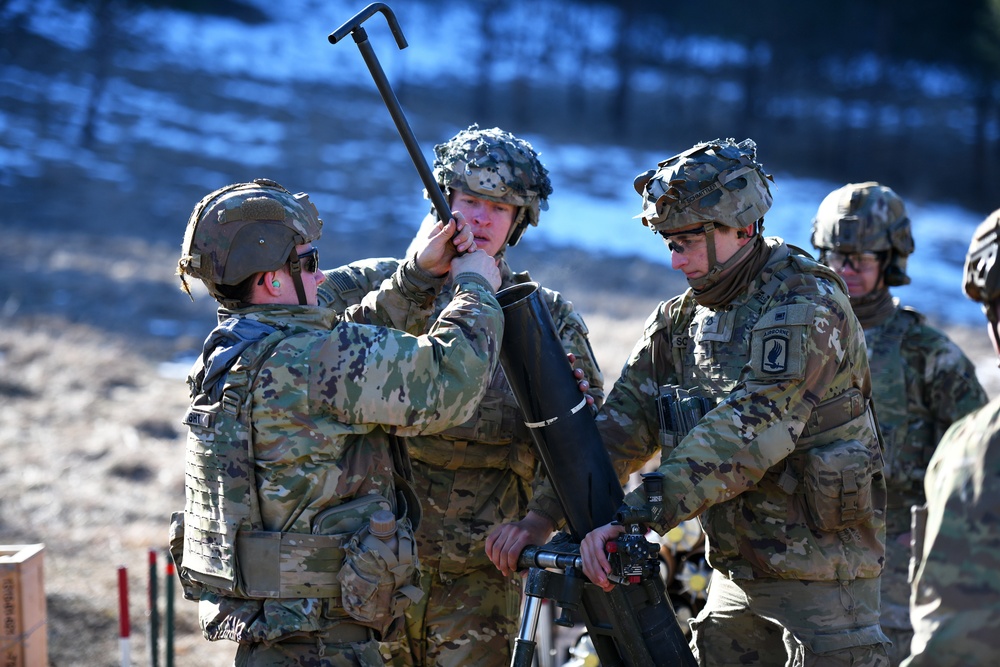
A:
{"points": [[383, 291], [575, 338], [403, 301], [951, 388], [348, 284], [802, 349], [410, 384], [956, 591]]}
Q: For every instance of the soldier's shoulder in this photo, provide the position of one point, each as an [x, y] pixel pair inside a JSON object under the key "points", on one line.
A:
{"points": [[921, 336], [562, 310], [346, 285], [670, 314], [981, 425]]}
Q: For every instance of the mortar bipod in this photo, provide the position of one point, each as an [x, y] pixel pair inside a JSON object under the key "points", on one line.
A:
{"points": [[562, 588]]}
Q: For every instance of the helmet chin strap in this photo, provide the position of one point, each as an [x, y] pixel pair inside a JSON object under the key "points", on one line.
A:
{"points": [[295, 268], [716, 268]]}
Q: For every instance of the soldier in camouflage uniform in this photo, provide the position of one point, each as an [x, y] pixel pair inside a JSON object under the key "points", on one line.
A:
{"points": [[296, 536], [477, 477], [753, 386], [955, 608], [921, 380]]}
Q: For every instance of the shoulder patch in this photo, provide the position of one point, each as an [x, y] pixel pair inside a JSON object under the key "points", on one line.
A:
{"points": [[778, 342]]}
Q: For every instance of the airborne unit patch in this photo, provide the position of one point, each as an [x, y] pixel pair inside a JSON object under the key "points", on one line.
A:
{"points": [[774, 352]]}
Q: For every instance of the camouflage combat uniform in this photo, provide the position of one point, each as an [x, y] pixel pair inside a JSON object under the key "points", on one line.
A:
{"points": [[922, 383], [469, 479], [754, 388], [289, 447], [956, 592], [743, 468], [955, 604]]}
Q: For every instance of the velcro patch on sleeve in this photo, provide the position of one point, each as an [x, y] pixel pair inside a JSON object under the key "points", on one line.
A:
{"points": [[778, 342]]}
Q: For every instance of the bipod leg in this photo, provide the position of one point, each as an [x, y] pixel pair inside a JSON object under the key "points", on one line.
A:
{"points": [[524, 645]]}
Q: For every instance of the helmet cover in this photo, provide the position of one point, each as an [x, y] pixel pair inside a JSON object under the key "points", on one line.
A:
{"points": [[717, 181], [497, 166], [866, 217], [982, 273]]}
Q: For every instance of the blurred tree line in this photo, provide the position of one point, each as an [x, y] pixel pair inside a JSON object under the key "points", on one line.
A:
{"points": [[905, 93]]}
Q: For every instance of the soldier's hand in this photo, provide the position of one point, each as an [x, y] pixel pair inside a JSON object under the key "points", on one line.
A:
{"points": [[582, 381], [595, 558], [477, 262], [505, 544], [437, 244]]}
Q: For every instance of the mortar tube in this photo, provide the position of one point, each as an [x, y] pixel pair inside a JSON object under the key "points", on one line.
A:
{"points": [[556, 412]]}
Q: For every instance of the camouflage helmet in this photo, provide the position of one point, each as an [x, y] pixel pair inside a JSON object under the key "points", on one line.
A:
{"points": [[866, 217], [982, 273], [717, 181], [497, 166], [243, 229]]}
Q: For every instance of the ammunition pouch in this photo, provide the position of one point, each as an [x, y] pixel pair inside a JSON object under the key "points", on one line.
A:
{"points": [[679, 412], [270, 564], [837, 480], [833, 470], [379, 581]]}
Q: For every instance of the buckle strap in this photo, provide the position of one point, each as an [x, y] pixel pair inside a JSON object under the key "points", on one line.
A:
{"points": [[341, 633], [835, 412]]}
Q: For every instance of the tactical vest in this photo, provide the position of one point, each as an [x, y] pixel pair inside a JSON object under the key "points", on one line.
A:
{"points": [[888, 369], [708, 348], [219, 544], [494, 437], [708, 353]]}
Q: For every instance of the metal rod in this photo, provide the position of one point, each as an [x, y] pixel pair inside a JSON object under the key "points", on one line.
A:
{"points": [[353, 27], [123, 620], [169, 594], [154, 613], [524, 645]]}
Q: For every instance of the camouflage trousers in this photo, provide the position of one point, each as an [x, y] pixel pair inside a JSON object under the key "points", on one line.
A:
{"points": [[896, 596], [790, 623], [470, 619], [309, 654]]}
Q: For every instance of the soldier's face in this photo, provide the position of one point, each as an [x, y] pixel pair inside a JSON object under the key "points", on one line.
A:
{"points": [[861, 271], [693, 261], [490, 220], [312, 277]]}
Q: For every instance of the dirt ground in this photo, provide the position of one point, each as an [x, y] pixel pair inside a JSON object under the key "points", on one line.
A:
{"points": [[93, 350]]}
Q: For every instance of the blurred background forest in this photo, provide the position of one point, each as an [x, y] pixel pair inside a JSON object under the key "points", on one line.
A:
{"points": [[906, 93]]}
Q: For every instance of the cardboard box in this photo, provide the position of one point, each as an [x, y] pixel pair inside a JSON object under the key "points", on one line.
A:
{"points": [[23, 629]]}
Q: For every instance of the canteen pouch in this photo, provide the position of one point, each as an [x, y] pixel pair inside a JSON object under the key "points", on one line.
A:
{"points": [[378, 582], [838, 484]]}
